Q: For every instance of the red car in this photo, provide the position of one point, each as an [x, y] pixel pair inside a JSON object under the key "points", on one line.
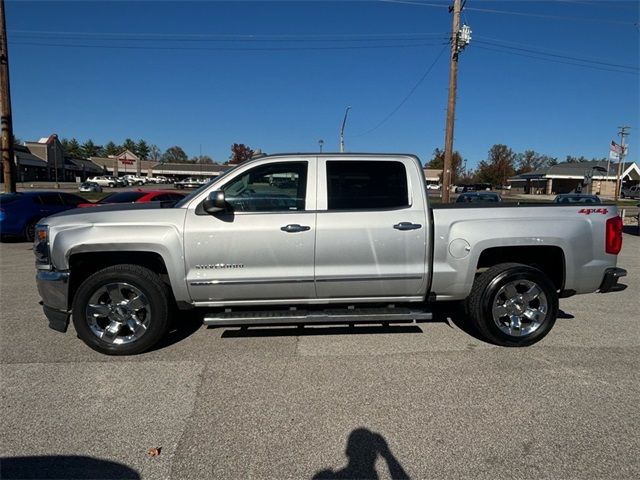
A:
{"points": [[137, 196]]}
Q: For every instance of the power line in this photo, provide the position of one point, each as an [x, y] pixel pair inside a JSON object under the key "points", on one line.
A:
{"points": [[522, 14], [257, 49], [557, 55], [404, 100], [563, 62], [553, 17], [205, 37], [421, 4]]}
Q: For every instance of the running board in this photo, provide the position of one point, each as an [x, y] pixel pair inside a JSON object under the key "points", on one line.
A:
{"points": [[351, 315]]}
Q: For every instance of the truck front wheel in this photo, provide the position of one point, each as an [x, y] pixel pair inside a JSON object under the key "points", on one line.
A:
{"points": [[121, 310], [513, 305]]}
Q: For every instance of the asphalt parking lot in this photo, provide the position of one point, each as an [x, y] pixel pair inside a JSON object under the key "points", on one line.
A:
{"points": [[421, 401]]}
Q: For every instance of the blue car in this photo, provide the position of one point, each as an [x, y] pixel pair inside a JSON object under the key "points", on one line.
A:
{"points": [[19, 212]]}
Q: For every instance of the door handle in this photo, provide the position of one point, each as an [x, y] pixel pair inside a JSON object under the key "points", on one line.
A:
{"points": [[407, 226], [294, 227]]}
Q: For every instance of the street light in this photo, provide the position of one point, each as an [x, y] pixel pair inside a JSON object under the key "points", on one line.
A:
{"points": [[344, 121], [321, 143]]}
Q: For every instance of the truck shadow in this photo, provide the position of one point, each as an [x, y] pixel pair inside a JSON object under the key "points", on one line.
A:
{"points": [[316, 329], [450, 313], [64, 466], [184, 325]]}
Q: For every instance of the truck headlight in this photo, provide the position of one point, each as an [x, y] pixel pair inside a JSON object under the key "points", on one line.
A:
{"points": [[41, 247]]}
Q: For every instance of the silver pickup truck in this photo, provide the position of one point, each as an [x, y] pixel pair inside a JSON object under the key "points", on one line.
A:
{"points": [[298, 239]]}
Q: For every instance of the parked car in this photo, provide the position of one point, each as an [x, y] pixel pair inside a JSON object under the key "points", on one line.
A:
{"points": [[119, 181], [631, 192], [190, 183], [89, 187], [576, 198], [157, 180], [479, 197], [136, 196], [103, 181], [134, 180], [20, 212]]}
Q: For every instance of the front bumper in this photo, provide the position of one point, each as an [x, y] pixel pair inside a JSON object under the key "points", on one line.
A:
{"points": [[54, 289], [610, 280]]}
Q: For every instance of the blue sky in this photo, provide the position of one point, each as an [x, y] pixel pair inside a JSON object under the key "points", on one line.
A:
{"points": [[278, 75]]}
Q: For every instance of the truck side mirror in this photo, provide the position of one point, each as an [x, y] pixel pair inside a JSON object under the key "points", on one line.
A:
{"points": [[215, 202]]}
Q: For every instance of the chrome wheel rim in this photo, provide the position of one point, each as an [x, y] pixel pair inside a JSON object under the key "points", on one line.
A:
{"points": [[519, 308], [118, 313]]}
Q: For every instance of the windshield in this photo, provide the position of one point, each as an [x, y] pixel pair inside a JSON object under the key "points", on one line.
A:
{"points": [[122, 197], [197, 192]]}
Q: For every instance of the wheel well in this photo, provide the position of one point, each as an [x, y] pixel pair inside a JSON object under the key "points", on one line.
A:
{"points": [[83, 265], [548, 259]]}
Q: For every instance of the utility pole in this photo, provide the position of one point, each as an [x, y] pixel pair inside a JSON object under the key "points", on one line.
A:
{"points": [[344, 121], [460, 38], [55, 161], [6, 139], [321, 143], [623, 133]]}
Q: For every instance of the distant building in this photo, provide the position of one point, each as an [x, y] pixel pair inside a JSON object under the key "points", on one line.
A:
{"points": [[184, 170], [29, 167], [125, 163], [50, 150], [572, 177], [432, 175], [57, 164]]}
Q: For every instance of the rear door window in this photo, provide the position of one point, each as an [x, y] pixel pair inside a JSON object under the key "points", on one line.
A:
{"points": [[353, 185]]}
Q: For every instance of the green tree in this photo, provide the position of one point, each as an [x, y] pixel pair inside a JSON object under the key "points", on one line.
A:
{"points": [[73, 148], [240, 153], [111, 149], [499, 166], [437, 162], [142, 149], [129, 144], [175, 154], [89, 149], [65, 144]]}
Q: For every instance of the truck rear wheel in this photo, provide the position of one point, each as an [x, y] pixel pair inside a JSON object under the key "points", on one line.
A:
{"points": [[121, 310], [513, 305]]}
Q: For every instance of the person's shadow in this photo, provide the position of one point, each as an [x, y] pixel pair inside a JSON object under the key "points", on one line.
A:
{"points": [[363, 448]]}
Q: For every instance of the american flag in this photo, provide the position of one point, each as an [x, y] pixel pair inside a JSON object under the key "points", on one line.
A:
{"points": [[615, 148]]}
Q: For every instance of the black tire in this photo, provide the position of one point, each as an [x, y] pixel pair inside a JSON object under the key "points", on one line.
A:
{"points": [[30, 230], [156, 294], [112, 185], [484, 297]]}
